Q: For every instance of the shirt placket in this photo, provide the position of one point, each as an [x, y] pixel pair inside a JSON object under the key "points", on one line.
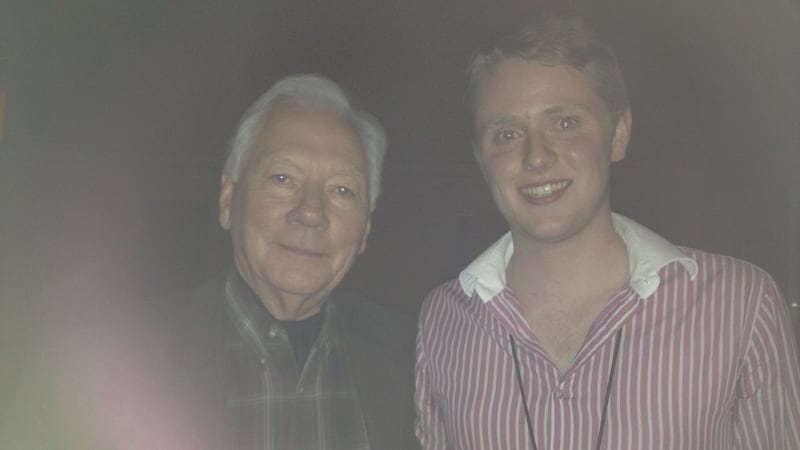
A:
{"points": [[550, 395], [569, 400], [540, 377]]}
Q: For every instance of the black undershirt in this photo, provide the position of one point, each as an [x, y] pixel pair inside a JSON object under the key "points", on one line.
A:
{"points": [[302, 334]]}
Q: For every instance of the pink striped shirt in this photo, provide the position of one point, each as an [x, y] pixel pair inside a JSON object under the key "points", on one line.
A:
{"points": [[706, 360]]}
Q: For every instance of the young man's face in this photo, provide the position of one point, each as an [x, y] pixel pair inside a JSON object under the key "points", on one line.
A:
{"points": [[545, 142]]}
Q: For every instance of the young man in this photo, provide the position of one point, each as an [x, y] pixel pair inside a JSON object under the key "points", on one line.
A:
{"points": [[581, 329]]}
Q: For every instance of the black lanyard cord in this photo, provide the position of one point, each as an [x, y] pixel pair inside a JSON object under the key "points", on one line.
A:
{"points": [[522, 390], [614, 356], [608, 389]]}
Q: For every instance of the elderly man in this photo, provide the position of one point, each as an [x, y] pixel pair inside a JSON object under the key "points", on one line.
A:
{"points": [[314, 369], [581, 329], [304, 367]]}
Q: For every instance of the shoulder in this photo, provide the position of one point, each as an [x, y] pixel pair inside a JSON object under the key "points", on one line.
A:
{"points": [[728, 270], [209, 291], [368, 321], [356, 308], [186, 328], [199, 305], [734, 285], [449, 311], [445, 299], [450, 289]]}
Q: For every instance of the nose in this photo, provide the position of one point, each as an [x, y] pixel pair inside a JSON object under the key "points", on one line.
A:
{"points": [[538, 153], [309, 210]]}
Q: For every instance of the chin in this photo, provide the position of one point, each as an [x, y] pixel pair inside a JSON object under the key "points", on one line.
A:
{"points": [[301, 285], [547, 233]]}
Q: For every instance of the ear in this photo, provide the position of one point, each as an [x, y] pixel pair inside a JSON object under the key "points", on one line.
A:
{"points": [[622, 135], [367, 229], [225, 196]]}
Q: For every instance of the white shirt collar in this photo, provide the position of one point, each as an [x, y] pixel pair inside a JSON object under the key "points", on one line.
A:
{"points": [[647, 254]]}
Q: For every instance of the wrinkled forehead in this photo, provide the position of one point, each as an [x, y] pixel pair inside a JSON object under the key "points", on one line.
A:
{"points": [[295, 125]]}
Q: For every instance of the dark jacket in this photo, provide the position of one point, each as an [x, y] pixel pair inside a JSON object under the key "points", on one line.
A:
{"points": [[380, 346]]}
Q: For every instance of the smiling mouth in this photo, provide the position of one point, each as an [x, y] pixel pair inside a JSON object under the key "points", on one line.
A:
{"points": [[302, 251], [544, 190]]}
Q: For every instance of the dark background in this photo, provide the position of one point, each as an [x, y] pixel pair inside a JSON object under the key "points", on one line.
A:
{"points": [[118, 114]]}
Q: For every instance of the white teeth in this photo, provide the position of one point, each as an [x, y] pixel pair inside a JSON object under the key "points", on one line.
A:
{"points": [[544, 190]]}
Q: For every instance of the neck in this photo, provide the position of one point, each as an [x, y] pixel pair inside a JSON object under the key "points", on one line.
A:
{"points": [[292, 307], [285, 305], [589, 262]]}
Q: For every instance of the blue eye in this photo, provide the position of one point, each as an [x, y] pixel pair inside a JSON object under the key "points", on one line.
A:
{"points": [[567, 122], [505, 135], [344, 191]]}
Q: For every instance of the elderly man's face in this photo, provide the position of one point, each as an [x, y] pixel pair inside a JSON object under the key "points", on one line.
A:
{"points": [[299, 214]]}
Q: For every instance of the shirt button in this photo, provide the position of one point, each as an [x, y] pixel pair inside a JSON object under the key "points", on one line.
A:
{"points": [[558, 394], [273, 333]]}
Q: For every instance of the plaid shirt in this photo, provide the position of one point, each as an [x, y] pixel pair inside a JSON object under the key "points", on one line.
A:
{"points": [[277, 404]]}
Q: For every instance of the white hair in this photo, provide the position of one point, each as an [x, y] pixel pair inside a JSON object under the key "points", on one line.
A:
{"points": [[320, 91]]}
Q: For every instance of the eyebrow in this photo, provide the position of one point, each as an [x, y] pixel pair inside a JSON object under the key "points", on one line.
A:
{"points": [[351, 173], [559, 109], [548, 111], [502, 120], [276, 159]]}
